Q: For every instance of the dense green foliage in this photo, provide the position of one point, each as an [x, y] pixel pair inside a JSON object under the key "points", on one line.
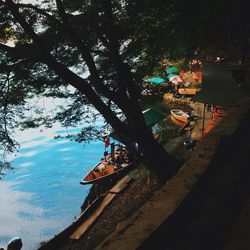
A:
{"points": [[101, 48], [93, 53]]}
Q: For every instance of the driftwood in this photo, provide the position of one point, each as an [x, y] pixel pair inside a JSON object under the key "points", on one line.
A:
{"points": [[107, 199], [57, 240]]}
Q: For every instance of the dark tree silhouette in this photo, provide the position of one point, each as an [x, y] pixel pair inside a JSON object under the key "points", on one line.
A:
{"points": [[99, 47]]}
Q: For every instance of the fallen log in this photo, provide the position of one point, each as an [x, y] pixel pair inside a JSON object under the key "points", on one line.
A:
{"points": [[54, 242], [105, 202]]}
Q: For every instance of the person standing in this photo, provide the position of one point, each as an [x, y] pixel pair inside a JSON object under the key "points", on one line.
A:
{"points": [[106, 143]]}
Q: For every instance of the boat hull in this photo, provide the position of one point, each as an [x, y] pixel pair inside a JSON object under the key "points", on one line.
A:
{"points": [[90, 179], [177, 122], [179, 115]]}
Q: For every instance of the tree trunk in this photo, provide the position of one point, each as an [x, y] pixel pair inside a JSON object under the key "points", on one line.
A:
{"points": [[156, 158]]}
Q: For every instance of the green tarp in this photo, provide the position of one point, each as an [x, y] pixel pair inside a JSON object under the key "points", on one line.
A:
{"points": [[151, 117]]}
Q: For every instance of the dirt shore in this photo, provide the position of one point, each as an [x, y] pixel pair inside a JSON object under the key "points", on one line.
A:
{"points": [[198, 218], [126, 203], [140, 190], [122, 207], [215, 215]]}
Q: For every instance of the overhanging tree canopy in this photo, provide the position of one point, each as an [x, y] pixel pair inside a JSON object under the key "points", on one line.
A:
{"points": [[94, 46]]}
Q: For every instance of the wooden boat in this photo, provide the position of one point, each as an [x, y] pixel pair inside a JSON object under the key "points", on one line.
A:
{"points": [[177, 122], [105, 169], [187, 91], [179, 115]]}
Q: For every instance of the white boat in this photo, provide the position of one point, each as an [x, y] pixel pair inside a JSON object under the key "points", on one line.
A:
{"points": [[179, 115]]}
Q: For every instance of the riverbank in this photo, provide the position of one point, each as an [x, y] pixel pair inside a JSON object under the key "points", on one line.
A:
{"points": [[144, 205], [137, 193], [198, 210], [178, 212], [215, 214]]}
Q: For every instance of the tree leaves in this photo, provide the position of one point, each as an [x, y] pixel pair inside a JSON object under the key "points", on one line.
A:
{"points": [[102, 48]]}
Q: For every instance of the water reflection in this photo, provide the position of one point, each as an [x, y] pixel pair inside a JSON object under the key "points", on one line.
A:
{"points": [[17, 216], [42, 194]]}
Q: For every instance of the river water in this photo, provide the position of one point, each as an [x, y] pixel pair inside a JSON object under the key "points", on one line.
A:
{"points": [[41, 195]]}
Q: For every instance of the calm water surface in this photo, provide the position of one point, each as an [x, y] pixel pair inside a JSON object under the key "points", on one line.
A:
{"points": [[42, 195]]}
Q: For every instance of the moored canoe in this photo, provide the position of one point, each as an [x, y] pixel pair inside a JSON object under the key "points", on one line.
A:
{"points": [[179, 115]]}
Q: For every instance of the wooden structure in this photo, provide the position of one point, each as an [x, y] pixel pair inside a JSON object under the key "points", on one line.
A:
{"points": [[87, 217], [107, 199], [187, 91]]}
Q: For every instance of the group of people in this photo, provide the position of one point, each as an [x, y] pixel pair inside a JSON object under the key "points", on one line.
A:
{"points": [[195, 66], [111, 162], [118, 156]]}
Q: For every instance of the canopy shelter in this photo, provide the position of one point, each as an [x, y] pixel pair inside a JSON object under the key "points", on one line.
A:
{"points": [[218, 88], [176, 79], [171, 70], [155, 80], [171, 75], [151, 117]]}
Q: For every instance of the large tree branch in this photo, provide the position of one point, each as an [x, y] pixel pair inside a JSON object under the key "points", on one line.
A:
{"points": [[40, 11], [113, 50], [125, 79], [29, 51], [73, 36], [53, 19], [85, 52], [81, 85], [66, 74], [88, 18], [123, 72], [27, 28], [107, 6]]}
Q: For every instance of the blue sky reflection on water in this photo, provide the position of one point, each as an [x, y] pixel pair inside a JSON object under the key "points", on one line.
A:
{"points": [[42, 194]]}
